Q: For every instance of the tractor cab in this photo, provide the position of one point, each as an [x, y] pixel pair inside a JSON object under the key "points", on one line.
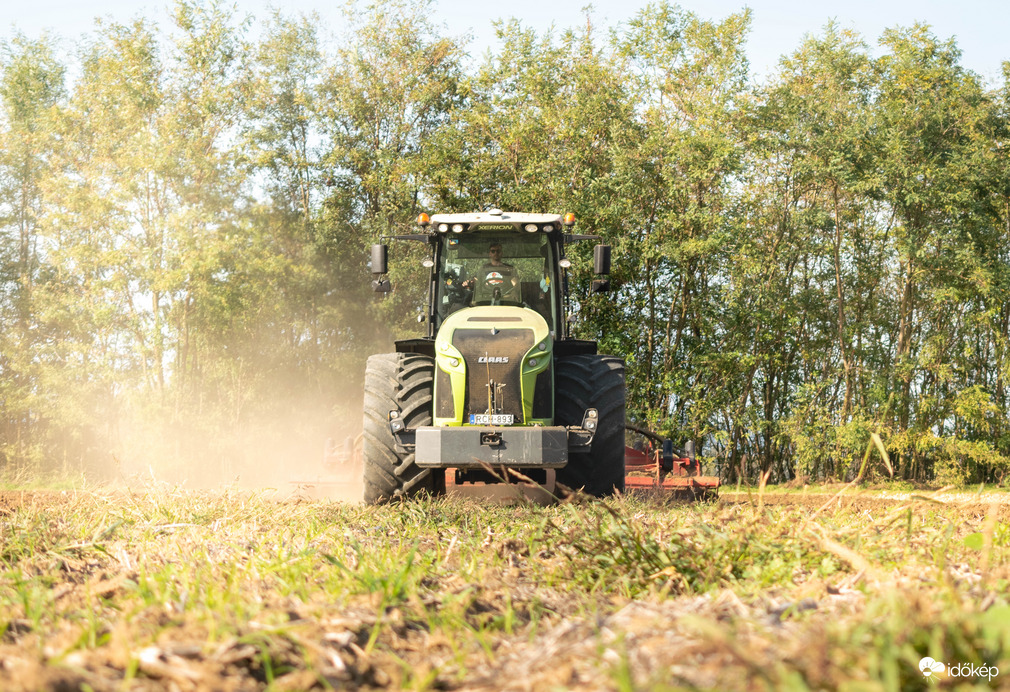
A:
{"points": [[497, 258], [496, 268]]}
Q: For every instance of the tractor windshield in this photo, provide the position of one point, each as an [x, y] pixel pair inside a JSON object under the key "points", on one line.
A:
{"points": [[496, 269]]}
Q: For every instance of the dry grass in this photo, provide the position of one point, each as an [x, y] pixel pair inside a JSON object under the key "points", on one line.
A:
{"points": [[171, 590]]}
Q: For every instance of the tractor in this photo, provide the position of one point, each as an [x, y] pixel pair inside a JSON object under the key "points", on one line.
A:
{"points": [[498, 389], [497, 392]]}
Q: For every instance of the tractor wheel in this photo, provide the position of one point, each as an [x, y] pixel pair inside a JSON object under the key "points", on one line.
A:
{"points": [[401, 382], [593, 382]]}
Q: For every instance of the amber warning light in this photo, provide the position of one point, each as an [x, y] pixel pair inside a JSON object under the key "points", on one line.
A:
{"points": [[569, 219], [423, 220]]}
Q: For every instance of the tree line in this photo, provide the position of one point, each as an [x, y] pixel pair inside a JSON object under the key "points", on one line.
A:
{"points": [[800, 262]]}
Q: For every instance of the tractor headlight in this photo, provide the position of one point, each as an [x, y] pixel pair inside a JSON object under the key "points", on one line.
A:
{"points": [[449, 359], [443, 227], [457, 228], [538, 357], [531, 228]]}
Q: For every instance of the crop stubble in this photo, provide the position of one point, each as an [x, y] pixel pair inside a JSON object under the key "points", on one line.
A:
{"points": [[162, 589]]}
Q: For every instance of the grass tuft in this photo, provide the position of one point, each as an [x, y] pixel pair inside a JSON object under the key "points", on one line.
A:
{"points": [[165, 589]]}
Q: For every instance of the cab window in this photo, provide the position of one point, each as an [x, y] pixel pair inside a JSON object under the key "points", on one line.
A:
{"points": [[496, 269]]}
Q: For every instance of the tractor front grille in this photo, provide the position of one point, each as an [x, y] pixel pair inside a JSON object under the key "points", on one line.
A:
{"points": [[501, 352]]}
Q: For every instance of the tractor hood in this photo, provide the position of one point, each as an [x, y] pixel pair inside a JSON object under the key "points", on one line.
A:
{"points": [[493, 366]]}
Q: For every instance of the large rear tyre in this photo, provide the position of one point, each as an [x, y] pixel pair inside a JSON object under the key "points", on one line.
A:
{"points": [[402, 382], [593, 382]]}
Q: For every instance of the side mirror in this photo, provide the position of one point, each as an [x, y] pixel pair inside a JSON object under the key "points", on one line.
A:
{"points": [[601, 266], [380, 258], [601, 260]]}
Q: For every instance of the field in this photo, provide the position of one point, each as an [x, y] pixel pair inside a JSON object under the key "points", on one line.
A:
{"points": [[165, 589]]}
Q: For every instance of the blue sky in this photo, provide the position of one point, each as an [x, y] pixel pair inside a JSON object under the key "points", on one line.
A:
{"points": [[980, 26]]}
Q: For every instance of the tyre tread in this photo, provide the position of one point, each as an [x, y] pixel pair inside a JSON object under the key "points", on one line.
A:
{"points": [[403, 382], [593, 381]]}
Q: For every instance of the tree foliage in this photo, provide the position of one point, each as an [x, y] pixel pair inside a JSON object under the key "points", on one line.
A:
{"points": [[800, 263]]}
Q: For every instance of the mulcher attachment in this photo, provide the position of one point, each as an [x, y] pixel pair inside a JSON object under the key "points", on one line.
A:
{"points": [[341, 477], [659, 468]]}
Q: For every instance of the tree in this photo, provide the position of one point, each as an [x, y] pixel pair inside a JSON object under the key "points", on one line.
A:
{"points": [[689, 76], [31, 89], [936, 126], [390, 89]]}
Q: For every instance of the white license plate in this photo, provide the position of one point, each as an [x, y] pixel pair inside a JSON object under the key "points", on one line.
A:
{"points": [[491, 419]]}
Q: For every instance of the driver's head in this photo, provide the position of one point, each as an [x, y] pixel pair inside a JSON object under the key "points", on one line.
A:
{"points": [[494, 251]]}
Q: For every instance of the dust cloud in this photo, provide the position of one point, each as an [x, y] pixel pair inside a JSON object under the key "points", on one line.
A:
{"points": [[299, 451]]}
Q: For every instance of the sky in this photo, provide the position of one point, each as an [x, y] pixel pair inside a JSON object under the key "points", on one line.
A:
{"points": [[778, 26]]}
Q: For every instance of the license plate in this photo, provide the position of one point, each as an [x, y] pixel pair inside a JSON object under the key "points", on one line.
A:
{"points": [[491, 419]]}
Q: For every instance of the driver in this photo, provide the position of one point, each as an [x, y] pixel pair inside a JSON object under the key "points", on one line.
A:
{"points": [[495, 279]]}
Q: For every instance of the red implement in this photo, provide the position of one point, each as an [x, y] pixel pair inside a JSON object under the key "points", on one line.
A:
{"points": [[649, 470], [502, 486], [341, 477]]}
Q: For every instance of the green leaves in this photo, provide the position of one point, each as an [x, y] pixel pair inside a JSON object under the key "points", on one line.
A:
{"points": [[799, 263]]}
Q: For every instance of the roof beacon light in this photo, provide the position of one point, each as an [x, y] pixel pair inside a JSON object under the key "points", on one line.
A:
{"points": [[569, 219], [457, 228], [531, 228], [423, 220]]}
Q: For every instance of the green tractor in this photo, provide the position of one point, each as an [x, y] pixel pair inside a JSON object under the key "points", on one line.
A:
{"points": [[497, 389]]}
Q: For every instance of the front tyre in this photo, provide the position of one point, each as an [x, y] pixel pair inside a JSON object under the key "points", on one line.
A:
{"points": [[593, 381], [401, 382]]}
